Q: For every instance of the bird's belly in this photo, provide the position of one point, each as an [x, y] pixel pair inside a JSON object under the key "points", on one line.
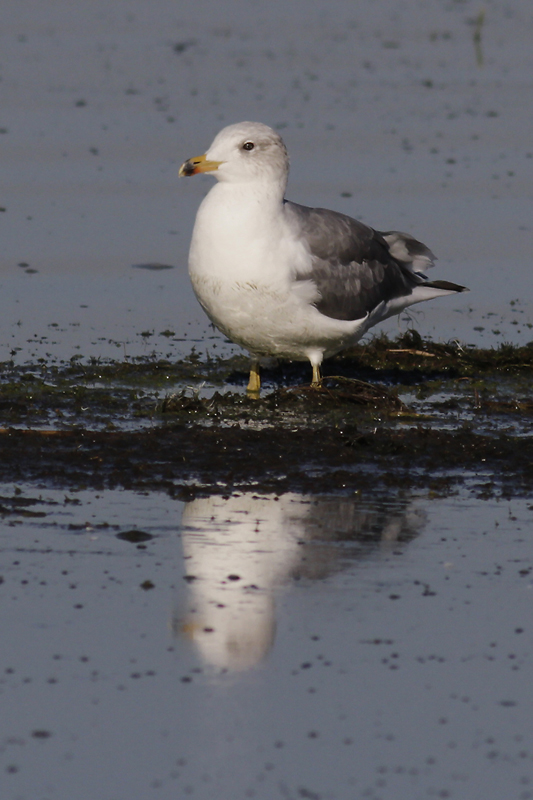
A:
{"points": [[254, 316], [246, 292], [269, 321]]}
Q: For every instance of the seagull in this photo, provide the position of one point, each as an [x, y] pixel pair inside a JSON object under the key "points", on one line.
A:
{"points": [[284, 280]]}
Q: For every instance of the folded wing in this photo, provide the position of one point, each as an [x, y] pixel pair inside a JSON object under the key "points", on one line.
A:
{"points": [[355, 269]]}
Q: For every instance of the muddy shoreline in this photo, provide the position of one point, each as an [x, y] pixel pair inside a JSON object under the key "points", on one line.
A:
{"points": [[396, 413], [187, 460]]}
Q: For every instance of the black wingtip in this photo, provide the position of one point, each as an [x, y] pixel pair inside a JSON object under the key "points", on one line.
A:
{"points": [[447, 286]]}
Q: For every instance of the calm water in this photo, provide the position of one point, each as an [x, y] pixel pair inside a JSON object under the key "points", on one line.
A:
{"points": [[389, 113], [256, 647], [301, 647]]}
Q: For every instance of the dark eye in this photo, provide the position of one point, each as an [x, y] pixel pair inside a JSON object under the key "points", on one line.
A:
{"points": [[248, 146]]}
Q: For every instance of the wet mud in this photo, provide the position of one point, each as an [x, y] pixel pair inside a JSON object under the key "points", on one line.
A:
{"points": [[390, 414]]}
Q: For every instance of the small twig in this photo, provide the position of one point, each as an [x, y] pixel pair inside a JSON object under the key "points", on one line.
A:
{"points": [[413, 352]]}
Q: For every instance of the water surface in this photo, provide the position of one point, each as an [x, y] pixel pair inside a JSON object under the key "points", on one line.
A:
{"points": [[391, 113], [260, 646]]}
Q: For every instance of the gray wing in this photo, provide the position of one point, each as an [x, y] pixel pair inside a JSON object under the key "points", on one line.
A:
{"points": [[354, 267]]}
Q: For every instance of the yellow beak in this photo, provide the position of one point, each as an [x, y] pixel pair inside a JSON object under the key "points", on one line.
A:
{"points": [[199, 164]]}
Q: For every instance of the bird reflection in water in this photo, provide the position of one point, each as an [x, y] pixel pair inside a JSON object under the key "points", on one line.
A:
{"points": [[241, 551]]}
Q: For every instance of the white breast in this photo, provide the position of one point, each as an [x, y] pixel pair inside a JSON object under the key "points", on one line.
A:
{"points": [[243, 260]]}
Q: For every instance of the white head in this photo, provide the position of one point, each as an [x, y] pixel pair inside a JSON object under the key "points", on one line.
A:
{"points": [[244, 152]]}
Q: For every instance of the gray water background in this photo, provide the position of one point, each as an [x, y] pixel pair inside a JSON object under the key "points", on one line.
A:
{"points": [[372, 646], [298, 647], [391, 103]]}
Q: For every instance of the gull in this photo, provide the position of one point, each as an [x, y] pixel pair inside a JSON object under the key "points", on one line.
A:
{"points": [[284, 280]]}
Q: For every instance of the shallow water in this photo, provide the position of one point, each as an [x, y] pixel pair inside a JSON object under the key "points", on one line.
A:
{"points": [[390, 112], [371, 644], [259, 646]]}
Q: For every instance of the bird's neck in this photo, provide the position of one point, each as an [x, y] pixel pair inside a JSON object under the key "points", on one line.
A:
{"points": [[232, 208], [237, 228], [249, 196]]}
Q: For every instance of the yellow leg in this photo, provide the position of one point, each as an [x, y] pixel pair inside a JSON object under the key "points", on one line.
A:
{"points": [[254, 384], [317, 377]]}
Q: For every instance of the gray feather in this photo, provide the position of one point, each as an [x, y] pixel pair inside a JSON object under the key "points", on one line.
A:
{"points": [[356, 268]]}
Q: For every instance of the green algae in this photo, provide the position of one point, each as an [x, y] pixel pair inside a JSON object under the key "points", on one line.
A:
{"points": [[391, 412], [397, 378]]}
